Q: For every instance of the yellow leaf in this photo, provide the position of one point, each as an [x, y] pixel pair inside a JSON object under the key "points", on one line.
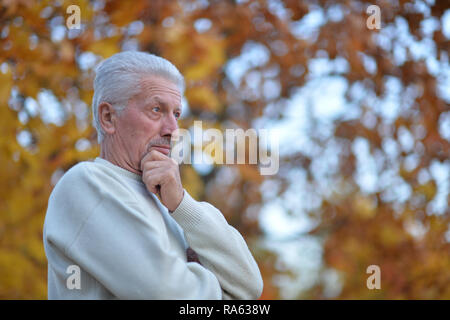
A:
{"points": [[191, 181], [5, 88], [202, 98], [105, 47]]}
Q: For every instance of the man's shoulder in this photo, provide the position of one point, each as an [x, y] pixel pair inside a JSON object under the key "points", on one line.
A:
{"points": [[81, 172], [93, 177], [85, 171]]}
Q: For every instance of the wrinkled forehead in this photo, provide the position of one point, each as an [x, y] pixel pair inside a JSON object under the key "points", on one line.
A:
{"points": [[160, 90]]}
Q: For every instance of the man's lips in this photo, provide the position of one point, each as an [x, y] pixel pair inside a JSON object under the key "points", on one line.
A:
{"points": [[163, 149]]}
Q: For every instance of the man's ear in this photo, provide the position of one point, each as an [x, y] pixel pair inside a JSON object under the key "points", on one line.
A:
{"points": [[107, 116]]}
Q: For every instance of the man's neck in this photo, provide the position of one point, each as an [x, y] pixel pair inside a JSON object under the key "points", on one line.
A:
{"points": [[118, 161]]}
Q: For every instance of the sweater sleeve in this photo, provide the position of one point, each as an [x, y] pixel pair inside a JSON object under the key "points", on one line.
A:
{"points": [[117, 244], [220, 248]]}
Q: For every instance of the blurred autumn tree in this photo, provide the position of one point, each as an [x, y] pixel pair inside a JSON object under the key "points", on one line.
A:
{"points": [[374, 178]]}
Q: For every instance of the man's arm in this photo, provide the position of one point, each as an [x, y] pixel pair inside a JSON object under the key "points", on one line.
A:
{"points": [[220, 248]]}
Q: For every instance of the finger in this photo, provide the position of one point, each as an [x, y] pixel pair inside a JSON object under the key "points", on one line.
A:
{"points": [[149, 165], [153, 155], [154, 172], [153, 181], [168, 163]]}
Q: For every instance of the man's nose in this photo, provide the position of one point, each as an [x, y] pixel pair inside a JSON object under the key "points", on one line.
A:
{"points": [[169, 125]]}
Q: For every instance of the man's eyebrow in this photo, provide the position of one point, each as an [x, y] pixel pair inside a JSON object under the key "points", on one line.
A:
{"points": [[162, 103]]}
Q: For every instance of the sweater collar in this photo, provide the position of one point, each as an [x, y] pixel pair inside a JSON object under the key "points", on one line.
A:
{"points": [[118, 169]]}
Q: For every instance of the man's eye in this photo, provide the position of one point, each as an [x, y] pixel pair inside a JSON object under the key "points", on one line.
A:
{"points": [[156, 109], [177, 115]]}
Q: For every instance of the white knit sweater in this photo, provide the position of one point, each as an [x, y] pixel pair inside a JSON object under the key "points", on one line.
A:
{"points": [[127, 245]]}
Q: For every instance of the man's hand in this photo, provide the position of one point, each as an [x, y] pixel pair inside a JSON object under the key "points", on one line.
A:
{"points": [[161, 176]]}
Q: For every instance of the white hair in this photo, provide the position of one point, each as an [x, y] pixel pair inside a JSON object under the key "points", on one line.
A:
{"points": [[118, 79]]}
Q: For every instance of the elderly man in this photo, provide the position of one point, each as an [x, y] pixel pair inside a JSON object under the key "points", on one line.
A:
{"points": [[122, 226]]}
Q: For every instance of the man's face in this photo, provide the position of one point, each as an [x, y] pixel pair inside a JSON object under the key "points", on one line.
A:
{"points": [[149, 120]]}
